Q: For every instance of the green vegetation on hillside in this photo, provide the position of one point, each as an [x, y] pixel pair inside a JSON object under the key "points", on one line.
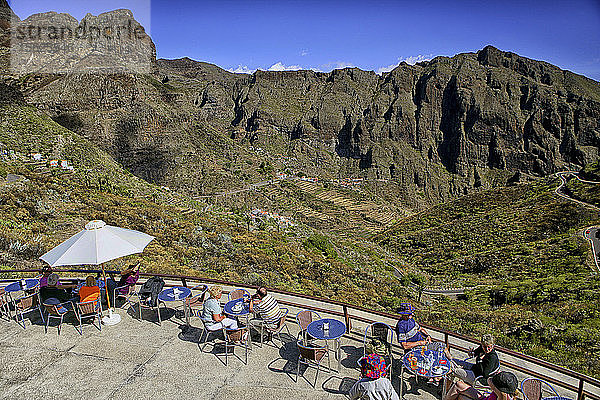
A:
{"points": [[40, 212], [521, 247]]}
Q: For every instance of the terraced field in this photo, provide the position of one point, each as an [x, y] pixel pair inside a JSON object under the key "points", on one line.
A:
{"points": [[344, 212]]}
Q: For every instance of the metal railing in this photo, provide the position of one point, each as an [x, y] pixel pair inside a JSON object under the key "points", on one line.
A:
{"points": [[348, 316]]}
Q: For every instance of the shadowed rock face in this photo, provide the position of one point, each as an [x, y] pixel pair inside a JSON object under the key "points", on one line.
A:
{"points": [[486, 110], [435, 127]]}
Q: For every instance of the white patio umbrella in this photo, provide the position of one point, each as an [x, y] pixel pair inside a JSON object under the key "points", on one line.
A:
{"points": [[95, 245]]}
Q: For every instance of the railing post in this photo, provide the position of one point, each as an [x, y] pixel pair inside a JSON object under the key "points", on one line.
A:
{"points": [[446, 338], [184, 282], [347, 319], [580, 394]]}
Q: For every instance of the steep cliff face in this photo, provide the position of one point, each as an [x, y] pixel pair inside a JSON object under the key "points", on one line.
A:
{"points": [[474, 111], [439, 129]]}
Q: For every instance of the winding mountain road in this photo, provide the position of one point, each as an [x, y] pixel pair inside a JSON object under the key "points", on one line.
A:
{"points": [[592, 233]]}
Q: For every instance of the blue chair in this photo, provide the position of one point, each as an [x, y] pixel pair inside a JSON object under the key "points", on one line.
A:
{"points": [[384, 333]]}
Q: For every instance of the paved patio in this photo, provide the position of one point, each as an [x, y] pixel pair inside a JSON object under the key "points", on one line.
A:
{"points": [[141, 360]]}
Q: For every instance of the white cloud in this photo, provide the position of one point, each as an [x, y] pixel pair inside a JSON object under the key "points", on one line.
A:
{"points": [[304, 53], [412, 60], [241, 69], [336, 65], [278, 66]]}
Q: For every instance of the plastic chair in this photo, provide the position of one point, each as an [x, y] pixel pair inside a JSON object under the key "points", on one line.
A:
{"points": [[532, 388], [141, 304], [238, 294], [312, 356], [384, 333], [195, 302], [57, 311], [275, 331], [25, 305], [87, 309], [303, 319]]}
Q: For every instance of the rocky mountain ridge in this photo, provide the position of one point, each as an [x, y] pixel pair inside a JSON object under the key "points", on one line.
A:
{"points": [[438, 129]]}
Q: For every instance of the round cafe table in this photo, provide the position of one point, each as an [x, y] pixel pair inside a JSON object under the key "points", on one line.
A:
{"points": [[30, 283], [99, 283], [232, 308], [337, 329], [426, 363], [176, 293]]}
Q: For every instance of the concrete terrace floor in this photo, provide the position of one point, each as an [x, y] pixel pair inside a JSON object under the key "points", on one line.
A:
{"points": [[141, 360]]}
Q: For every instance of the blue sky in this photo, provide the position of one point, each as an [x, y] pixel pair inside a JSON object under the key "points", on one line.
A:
{"points": [[372, 35]]}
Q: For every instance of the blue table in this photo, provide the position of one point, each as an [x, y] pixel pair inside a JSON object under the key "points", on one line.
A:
{"points": [[337, 329], [176, 293], [230, 305], [31, 283], [231, 308], [426, 363], [99, 283]]}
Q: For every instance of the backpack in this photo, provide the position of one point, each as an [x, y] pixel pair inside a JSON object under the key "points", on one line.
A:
{"points": [[376, 346], [150, 290]]}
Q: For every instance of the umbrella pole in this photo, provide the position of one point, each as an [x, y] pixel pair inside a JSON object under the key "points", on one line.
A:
{"points": [[106, 288], [110, 319]]}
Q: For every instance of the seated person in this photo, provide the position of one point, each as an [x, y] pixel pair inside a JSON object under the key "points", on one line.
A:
{"points": [[212, 315], [90, 291], [46, 271], [373, 385], [410, 334], [51, 291], [129, 277], [486, 362], [503, 385], [267, 309]]}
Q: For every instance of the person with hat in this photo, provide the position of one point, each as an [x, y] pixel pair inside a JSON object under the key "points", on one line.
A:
{"points": [[503, 384], [373, 384], [410, 333]]}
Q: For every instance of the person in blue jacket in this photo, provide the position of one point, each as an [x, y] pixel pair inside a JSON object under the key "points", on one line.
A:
{"points": [[410, 333]]}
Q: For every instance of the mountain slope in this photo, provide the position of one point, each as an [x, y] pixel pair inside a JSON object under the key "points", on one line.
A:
{"points": [[439, 129], [521, 247]]}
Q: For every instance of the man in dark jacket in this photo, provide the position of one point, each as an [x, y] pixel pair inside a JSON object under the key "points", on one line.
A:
{"points": [[51, 291], [486, 362]]}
